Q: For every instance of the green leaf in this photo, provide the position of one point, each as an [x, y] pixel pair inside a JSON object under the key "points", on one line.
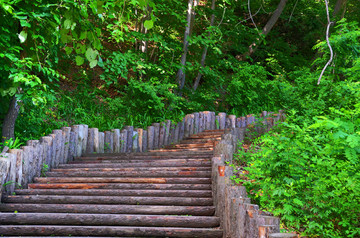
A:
{"points": [[93, 63], [79, 60], [67, 24], [91, 54], [148, 24], [22, 36], [68, 50]]}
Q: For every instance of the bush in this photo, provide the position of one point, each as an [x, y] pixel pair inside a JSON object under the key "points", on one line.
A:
{"points": [[308, 173]]}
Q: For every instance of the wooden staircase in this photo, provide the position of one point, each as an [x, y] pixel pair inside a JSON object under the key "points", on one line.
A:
{"points": [[160, 193]]}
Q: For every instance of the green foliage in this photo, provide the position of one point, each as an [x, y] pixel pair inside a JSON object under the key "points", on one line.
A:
{"points": [[306, 170], [11, 143]]}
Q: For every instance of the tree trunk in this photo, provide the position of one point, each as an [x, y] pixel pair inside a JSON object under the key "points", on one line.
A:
{"points": [[203, 56], [181, 74], [269, 25], [340, 5], [8, 126]]}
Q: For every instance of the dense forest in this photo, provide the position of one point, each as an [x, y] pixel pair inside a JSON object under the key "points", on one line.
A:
{"points": [[134, 62]]}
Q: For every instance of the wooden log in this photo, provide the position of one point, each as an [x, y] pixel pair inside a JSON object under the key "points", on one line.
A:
{"points": [[19, 154], [80, 140], [238, 122], [27, 157], [181, 129], [196, 123], [140, 133], [123, 137], [75, 141], [90, 141], [172, 133], [158, 186], [66, 136], [123, 180], [187, 126], [129, 138], [84, 143], [46, 141], [150, 134], [176, 133], [96, 140], [144, 141], [135, 139], [110, 209], [64, 199], [207, 120], [135, 173], [130, 169], [72, 146], [117, 192], [222, 120], [109, 143], [162, 134], [218, 187], [116, 140], [4, 174], [232, 121], [250, 119], [113, 231], [33, 164], [217, 125], [201, 121], [167, 138], [108, 220], [156, 135], [283, 235], [57, 140], [101, 142], [212, 121]]}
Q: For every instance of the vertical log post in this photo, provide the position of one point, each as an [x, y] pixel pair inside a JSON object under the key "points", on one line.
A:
{"points": [[167, 137], [135, 139], [66, 136], [140, 133], [27, 157], [150, 134], [116, 140], [212, 121], [123, 140], [129, 138], [144, 141], [19, 154], [222, 120], [101, 142], [162, 134], [156, 135], [75, 130]]}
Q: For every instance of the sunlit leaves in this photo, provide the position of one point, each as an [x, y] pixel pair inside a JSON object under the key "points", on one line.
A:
{"points": [[23, 36]]}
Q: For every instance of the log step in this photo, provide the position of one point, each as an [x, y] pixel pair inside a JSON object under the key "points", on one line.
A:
{"points": [[123, 180], [64, 199], [139, 163], [109, 231], [132, 169], [115, 174], [157, 186], [108, 220], [109, 209], [149, 154], [116, 192], [157, 157]]}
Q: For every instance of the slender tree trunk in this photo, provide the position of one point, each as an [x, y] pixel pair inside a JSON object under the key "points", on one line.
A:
{"points": [[269, 25], [203, 56], [181, 74], [8, 126], [340, 6]]}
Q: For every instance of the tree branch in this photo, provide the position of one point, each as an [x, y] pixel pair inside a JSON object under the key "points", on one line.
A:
{"points": [[327, 41]]}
